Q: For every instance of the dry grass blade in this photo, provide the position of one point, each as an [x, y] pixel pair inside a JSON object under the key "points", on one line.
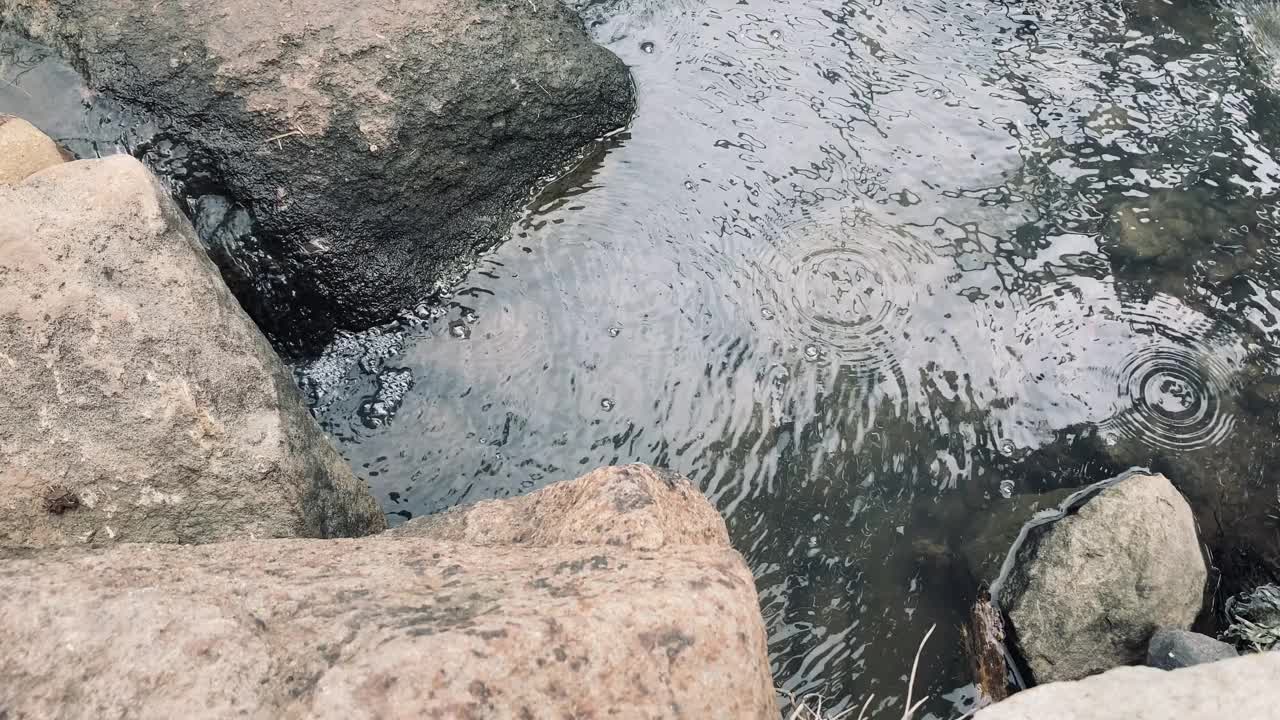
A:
{"points": [[911, 684]]}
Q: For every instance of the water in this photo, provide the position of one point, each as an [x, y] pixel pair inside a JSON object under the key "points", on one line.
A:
{"points": [[883, 278]]}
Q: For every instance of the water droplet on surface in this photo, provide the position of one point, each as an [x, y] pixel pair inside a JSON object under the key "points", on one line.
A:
{"points": [[1006, 447], [766, 313], [647, 47], [811, 353], [459, 329], [688, 185], [607, 405], [775, 34], [615, 331]]}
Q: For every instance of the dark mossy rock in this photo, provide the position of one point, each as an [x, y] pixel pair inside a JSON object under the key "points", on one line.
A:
{"points": [[375, 145]]}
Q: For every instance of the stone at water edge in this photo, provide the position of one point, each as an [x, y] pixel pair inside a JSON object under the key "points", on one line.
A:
{"points": [[24, 150], [1171, 649], [635, 506], [141, 403], [378, 144], [1243, 688], [1088, 591], [658, 620]]}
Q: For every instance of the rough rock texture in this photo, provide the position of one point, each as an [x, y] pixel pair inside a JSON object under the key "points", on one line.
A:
{"points": [[1089, 590], [375, 142], [631, 506], [1244, 687], [24, 150], [1171, 649], [140, 402], [655, 625]]}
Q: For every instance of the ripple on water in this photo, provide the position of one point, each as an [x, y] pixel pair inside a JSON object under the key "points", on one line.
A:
{"points": [[847, 287], [1175, 396]]}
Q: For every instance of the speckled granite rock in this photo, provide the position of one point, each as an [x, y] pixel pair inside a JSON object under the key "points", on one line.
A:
{"points": [[1089, 590], [633, 506], [404, 625], [140, 402], [1243, 687]]}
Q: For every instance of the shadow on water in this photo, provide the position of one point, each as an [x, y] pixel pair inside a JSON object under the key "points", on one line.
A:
{"points": [[885, 279]]}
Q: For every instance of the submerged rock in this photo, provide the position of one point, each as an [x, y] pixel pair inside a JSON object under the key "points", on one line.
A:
{"points": [[659, 620], [141, 403], [1087, 591], [377, 144], [1242, 687], [1172, 648], [24, 150]]}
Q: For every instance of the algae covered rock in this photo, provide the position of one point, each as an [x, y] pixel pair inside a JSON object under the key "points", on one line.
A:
{"points": [[1087, 591], [377, 144], [141, 403]]}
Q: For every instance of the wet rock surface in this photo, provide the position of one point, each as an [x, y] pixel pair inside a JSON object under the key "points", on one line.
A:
{"points": [[1172, 648], [1242, 687], [402, 625], [1088, 591], [374, 145], [141, 403]]}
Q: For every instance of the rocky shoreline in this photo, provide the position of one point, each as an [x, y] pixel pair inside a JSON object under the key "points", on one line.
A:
{"points": [[178, 533]]}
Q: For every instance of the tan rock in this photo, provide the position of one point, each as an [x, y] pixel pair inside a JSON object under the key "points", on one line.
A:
{"points": [[140, 402], [1243, 687], [1089, 590], [24, 150], [632, 506], [400, 625]]}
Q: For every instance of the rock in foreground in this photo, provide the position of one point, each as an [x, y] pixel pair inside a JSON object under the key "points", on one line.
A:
{"points": [[1244, 687], [1089, 590], [377, 143], [399, 626], [141, 403]]}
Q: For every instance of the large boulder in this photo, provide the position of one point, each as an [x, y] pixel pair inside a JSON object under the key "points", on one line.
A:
{"points": [[1244, 687], [375, 143], [1087, 591], [662, 622], [141, 403], [24, 150]]}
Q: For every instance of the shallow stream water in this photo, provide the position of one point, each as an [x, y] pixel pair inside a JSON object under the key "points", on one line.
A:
{"points": [[865, 272]]}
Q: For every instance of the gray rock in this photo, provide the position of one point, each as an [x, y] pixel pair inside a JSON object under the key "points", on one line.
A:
{"points": [[1242, 687], [140, 402], [377, 144], [662, 622], [1087, 591], [24, 150], [1172, 648]]}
